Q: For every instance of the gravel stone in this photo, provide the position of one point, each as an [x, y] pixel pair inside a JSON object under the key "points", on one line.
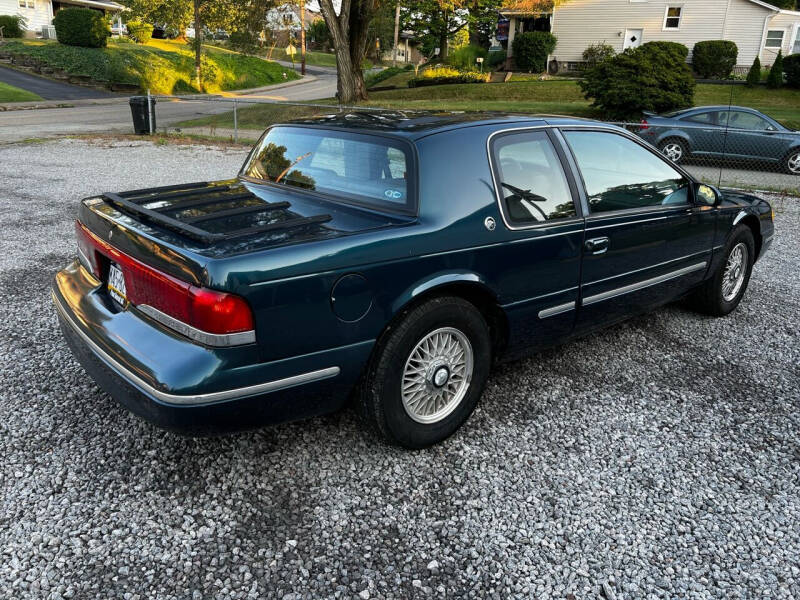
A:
{"points": [[659, 458]]}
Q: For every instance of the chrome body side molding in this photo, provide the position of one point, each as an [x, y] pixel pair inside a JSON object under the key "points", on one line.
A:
{"points": [[556, 310], [639, 285]]}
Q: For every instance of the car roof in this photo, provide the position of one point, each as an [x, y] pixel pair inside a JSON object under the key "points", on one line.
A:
{"points": [[715, 107], [417, 124]]}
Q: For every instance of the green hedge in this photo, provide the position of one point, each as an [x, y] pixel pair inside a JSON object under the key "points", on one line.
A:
{"points": [[791, 66], [82, 27], [775, 76], [139, 32], [445, 78], [714, 59], [653, 77], [13, 26], [531, 50]]}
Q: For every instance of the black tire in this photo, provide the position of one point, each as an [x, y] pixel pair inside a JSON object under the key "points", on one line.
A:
{"points": [[677, 156], [380, 395], [709, 298], [791, 162]]}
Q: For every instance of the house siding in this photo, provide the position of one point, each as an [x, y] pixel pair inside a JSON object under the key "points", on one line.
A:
{"points": [[579, 23], [35, 18], [789, 22]]}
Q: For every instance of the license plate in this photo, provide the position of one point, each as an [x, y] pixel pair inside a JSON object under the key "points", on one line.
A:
{"points": [[116, 284]]}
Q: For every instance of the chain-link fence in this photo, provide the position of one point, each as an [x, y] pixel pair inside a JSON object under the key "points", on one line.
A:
{"points": [[725, 146]]}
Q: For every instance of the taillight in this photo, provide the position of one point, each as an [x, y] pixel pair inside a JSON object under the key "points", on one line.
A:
{"points": [[644, 125], [87, 250], [204, 310]]}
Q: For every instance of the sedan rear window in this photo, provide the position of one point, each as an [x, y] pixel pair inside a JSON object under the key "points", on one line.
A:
{"points": [[356, 168]]}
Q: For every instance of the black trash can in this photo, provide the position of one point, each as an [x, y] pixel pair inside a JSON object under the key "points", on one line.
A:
{"points": [[142, 112]]}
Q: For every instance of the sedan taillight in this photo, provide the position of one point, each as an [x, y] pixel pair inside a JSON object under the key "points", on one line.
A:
{"points": [[204, 310]]}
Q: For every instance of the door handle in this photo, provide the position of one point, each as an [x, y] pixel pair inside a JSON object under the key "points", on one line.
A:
{"points": [[597, 245]]}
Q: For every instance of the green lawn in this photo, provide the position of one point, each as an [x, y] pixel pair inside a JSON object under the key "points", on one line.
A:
{"points": [[9, 93], [162, 66], [562, 97]]}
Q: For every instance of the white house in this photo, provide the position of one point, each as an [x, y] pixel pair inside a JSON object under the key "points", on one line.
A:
{"points": [[39, 14], [757, 28]]}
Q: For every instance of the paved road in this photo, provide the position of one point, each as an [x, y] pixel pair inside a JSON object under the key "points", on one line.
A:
{"points": [[116, 116], [48, 88]]}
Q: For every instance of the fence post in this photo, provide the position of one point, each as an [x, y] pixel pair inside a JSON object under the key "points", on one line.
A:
{"points": [[235, 121], [151, 111]]}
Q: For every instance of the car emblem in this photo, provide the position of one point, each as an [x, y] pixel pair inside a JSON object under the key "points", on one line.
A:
{"points": [[110, 233], [490, 223]]}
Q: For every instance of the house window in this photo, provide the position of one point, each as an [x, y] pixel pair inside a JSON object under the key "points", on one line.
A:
{"points": [[672, 18], [774, 38], [27, 3]]}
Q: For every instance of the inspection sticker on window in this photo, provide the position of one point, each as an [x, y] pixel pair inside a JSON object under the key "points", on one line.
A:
{"points": [[393, 194]]}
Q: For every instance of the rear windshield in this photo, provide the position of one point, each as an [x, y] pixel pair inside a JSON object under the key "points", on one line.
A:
{"points": [[358, 169]]}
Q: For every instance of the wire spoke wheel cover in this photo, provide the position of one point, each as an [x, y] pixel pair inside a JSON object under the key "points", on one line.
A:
{"points": [[735, 268], [437, 375]]}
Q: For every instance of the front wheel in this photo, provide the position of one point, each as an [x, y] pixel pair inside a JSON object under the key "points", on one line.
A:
{"points": [[791, 163], [674, 149], [428, 373], [722, 293]]}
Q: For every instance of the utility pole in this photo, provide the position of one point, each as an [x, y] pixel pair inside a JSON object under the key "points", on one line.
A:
{"points": [[303, 37], [396, 33]]}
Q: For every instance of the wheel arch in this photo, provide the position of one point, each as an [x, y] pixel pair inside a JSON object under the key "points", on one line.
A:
{"points": [[751, 221], [675, 134], [467, 285]]}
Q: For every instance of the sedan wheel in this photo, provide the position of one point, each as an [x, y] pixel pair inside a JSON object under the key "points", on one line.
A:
{"points": [[673, 150], [735, 269], [437, 375], [793, 163]]}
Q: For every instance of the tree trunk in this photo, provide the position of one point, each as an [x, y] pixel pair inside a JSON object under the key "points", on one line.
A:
{"points": [[349, 34], [198, 45], [349, 78]]}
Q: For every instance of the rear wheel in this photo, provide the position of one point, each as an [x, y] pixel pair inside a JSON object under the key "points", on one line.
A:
{"points": [[722, 293], [428, 373], [674, 149], [791, 163]]}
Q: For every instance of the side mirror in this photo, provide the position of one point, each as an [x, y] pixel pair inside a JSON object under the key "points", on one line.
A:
{"points": [[706, 195]]}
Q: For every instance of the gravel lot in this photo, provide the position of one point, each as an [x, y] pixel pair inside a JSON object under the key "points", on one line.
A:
{"points": [[660, 458]]}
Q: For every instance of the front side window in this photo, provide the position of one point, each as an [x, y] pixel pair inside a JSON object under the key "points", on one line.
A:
{"points": [[530, 178], [619, 174], [356, 168], [672, 19], [745, 120], [774, 38]]}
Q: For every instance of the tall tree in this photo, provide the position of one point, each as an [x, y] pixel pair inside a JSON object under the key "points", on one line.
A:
{"points": [[349, 31]]}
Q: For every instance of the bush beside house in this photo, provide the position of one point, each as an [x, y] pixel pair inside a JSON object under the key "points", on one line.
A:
{"points": [[653, 77], [139, 32], [13, 26], [82, 27], [531, 50], [754, 74], [791, 67], [597, 53], [775, 77], [714, 59]]}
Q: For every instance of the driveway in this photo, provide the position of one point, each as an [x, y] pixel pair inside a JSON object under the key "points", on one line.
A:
{"points": [[48, 88], [657, 459]]}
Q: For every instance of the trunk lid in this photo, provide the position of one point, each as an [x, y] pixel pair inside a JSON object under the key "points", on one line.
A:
{"points": [[180, 228]]}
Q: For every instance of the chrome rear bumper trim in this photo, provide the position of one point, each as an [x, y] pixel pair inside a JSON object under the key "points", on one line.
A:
{"points": [[192, 399]]}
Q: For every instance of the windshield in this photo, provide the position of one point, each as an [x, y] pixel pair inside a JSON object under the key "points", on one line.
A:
{"points": [[356, 168]]}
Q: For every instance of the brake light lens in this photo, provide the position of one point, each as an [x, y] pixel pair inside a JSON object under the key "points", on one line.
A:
{"points": [[644, 125], [210, 311]]}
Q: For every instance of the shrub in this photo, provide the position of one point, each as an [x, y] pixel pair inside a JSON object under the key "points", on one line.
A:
{"points": [[775, 77], [13, 26], [444, 75], [531, 50], [495, 59], [244, 41], [318, 31], [139, 32], [597, 53], [82, 27], [653, 77], [714, 59], [754, 74], [791, 66], [464, 57]]}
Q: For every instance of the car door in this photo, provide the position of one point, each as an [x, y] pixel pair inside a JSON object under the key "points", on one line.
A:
{"points": [[705, 134], [538, 266], [752, 136], [646, 241]]}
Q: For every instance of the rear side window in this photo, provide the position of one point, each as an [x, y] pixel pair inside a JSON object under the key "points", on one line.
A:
{"points": [[619, 174], [530, 178], [360, 169], [706, 118]]}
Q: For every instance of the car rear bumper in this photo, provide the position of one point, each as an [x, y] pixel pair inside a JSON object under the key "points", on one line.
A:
{"points": [[182, 386]]}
